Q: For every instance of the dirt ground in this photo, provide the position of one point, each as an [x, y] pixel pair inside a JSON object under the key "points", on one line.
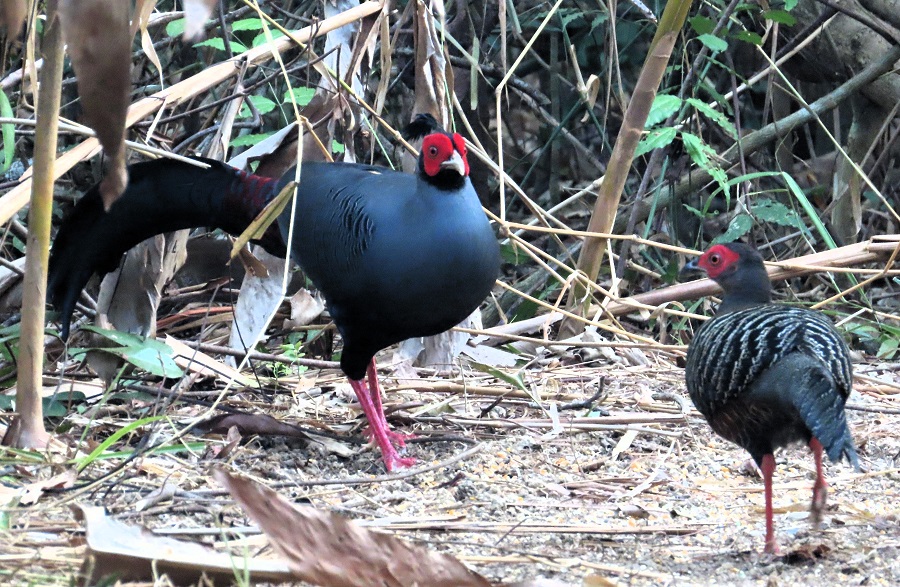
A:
{"points": [[632, 491]]}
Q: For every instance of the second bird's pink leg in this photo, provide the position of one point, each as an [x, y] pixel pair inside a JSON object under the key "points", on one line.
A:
{"points": [[820, 487], [768, 469]]}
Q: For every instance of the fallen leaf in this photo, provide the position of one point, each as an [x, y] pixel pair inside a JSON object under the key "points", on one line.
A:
{"points": [[328, 549], [99, 44], [133, 553], [247, 424], [32, 492], [304, 309], [12, 15], [199, 362], [160, 494]]}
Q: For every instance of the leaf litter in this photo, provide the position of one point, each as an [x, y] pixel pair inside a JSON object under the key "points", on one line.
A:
{"points": [[627, 490]]}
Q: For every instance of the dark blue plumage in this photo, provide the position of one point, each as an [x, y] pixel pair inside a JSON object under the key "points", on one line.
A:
{"points": [[395, 255]]}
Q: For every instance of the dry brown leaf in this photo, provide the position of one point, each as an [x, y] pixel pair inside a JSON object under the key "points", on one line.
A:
{"points": [[594, 580], [130, 295], [327, 549], [196, 12], [97, 36], [258, 299], [143, 9], [431, 66], [12, 15], [133, 553], [305, 308], [32, 492], [199, 362], [247, 424]]}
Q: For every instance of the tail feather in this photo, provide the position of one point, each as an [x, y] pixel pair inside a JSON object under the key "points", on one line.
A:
{"points": [[162, 196], [822, 409]]}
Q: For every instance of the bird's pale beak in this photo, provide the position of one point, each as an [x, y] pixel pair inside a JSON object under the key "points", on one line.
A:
{"points": [[455, 162], [690, 268]]}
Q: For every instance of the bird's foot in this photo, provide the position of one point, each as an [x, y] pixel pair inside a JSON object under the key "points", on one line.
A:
{"points": [[820, 497], [393, 461], [772, 548], [397, 439]]}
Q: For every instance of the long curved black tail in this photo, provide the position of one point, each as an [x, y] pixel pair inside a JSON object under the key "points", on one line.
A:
{"points": [[162, 196]]}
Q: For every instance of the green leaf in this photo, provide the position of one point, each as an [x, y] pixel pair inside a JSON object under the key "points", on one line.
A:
{"points": [[53, 407], [749, 37], [250, 140], [301, 95], [337, 147], [218, 44], [888, 348], [175, 28], [780, 16], [247, 24], [738, 227], [509, 253], [599, 19], [655, 139], [790, 4], [713, 43], [697, 149], [701, 153], [263, 105], [714, 115], [664, 105], [260, 39], [80, 464], [702, 25], [778, 213], [58, 406], [7, 133], [514, 380], [144, 353], [810, 210]]}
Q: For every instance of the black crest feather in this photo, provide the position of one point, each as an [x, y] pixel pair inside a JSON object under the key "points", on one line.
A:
{"points": [[421, 125]]}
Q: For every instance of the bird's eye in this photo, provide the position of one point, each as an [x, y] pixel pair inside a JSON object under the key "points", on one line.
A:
{"points": [[714, 259], [433, 151]]}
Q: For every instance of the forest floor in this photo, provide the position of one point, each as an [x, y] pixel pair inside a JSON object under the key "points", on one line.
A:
{"points": [[634, 490]]}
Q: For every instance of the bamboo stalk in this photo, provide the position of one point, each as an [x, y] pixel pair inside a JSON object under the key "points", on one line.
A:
{"points": [[610, 192], [27, 431]]}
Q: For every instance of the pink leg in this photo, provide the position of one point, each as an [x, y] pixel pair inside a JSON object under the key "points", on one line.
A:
{"points": [[768, 468], [378, 426], [398, 438], [820, 487]]}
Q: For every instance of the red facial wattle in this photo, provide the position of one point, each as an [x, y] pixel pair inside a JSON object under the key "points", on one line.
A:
{"points": [[439, 148], [461, 147], [717, 259]]}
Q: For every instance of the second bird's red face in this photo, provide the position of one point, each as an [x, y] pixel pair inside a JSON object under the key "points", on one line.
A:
{"points": [[717, 259], [438, 149]]}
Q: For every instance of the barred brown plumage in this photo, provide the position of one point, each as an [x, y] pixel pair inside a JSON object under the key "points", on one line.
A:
{"points": [[766, 375]]}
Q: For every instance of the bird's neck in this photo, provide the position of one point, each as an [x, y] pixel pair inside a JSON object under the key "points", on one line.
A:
{"points": [[245, 197], [747, 288], [446, 179]]}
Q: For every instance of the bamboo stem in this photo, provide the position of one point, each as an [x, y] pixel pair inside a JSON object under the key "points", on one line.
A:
{"points": [[28, 430], [610, 192]]}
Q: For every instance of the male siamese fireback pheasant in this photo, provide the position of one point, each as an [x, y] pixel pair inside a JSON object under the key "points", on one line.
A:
{"points": [[395, 255]]}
